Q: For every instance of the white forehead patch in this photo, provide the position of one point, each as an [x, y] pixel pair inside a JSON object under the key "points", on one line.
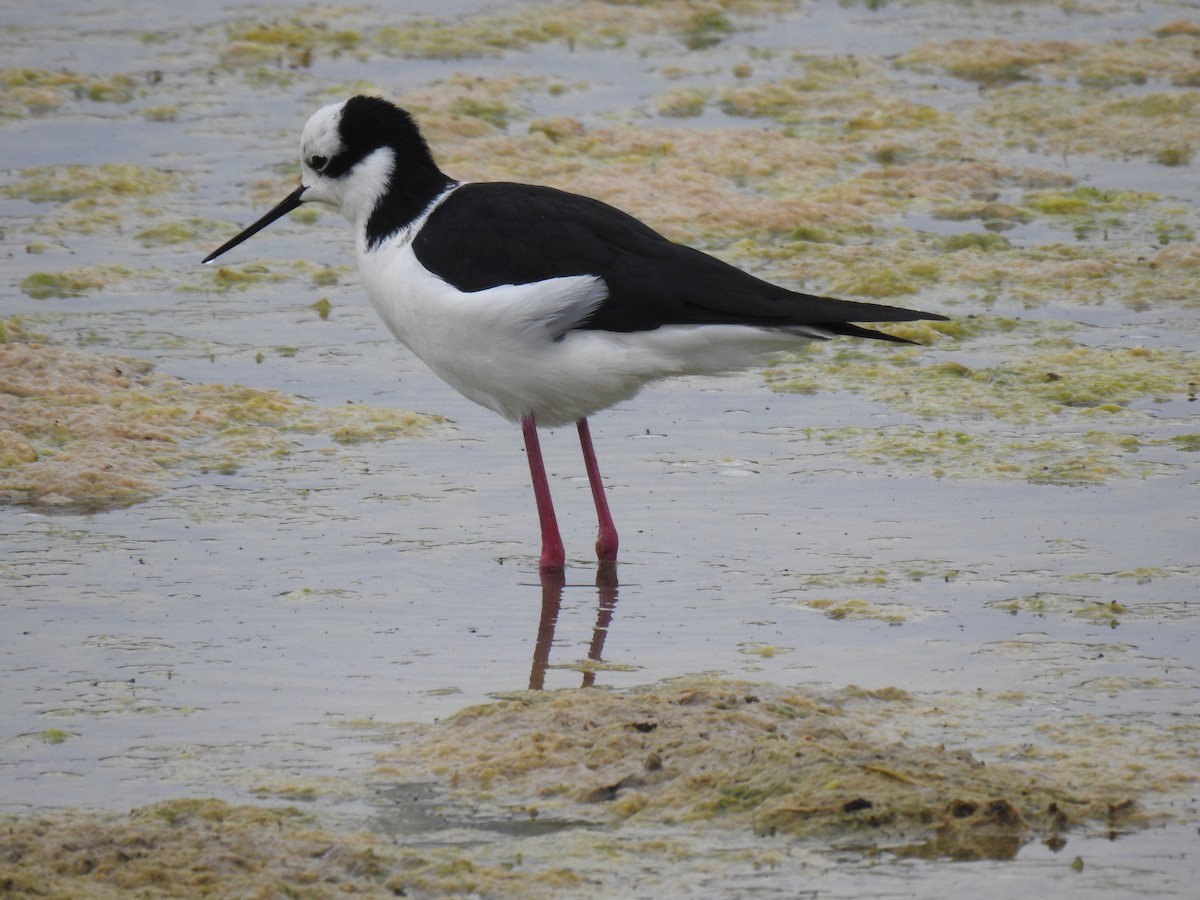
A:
{"points": [[321, 136]]}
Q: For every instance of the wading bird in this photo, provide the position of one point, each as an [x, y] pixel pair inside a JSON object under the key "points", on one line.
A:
{"points": [[541, 305]]}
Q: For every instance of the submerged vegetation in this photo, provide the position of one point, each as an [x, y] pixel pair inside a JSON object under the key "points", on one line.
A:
{"points": [[1055, 412], [88, 431], [586, 775]]}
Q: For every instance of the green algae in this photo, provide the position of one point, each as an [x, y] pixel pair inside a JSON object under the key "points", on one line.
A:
{"points": [[1086, 200], [205, 847], [1189, 443], [358, 423], [292, 42], [997, 61], [1053, 411], [706, 28], [176, 232], [682, 102], [437, 39], [868, 579], [28, 91], [593, 24], [1047, 384], [880, 283], [93, 199], [491, 111], [1146, 574], [1054, 376], [1085, 608], [72, 282], [987, 242], [59, 184], [163, 113], [325, 277], [991, 61], [55, 736], [824, 89], [1057, 458], [89, 431], [1060, 119], [708, 754], [296, 33], [764, 651], [14, 328], [119, 88], [857, 609], [241, 278]]}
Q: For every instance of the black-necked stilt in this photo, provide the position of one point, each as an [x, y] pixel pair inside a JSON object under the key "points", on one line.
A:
{"points": [[541, 305]]}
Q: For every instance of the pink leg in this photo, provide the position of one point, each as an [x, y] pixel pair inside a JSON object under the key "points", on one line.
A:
{"points": [[606, 541], [553, 556]]}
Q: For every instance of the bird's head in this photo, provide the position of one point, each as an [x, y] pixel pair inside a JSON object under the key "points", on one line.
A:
{"points": [[353, 153]]}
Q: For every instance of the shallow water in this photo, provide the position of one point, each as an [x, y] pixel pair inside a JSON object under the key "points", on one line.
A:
{"points": [[242, 633]]}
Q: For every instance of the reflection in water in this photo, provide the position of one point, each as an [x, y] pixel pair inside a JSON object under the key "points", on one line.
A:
{"points": [[553, 583]]}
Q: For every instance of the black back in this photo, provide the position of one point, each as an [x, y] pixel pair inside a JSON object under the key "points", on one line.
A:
{"points": [[495, 233]]}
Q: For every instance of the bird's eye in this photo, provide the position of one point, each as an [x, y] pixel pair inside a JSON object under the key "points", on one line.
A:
{"points": [[318, 163]]}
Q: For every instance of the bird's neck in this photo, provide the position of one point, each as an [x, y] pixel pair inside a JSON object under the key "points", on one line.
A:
{"points": [[407, 195]]}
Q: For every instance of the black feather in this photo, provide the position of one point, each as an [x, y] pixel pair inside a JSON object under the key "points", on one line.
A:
{"points": [[495, 233]]}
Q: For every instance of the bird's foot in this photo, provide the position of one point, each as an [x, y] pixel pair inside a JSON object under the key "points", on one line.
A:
{"points": [[553, 558], [606, 546]]}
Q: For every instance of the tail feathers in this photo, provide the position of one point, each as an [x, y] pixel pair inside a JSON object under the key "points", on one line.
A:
{"points": [[849, 330]]}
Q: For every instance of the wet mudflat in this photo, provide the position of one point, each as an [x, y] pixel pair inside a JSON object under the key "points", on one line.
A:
{"points": [[886, 620]]}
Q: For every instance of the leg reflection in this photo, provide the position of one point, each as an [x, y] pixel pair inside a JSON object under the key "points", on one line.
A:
{"points": [[553, 582], [606, 591]]}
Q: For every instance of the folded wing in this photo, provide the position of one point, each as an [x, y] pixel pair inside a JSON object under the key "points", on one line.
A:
{"points": [[495, 233]]}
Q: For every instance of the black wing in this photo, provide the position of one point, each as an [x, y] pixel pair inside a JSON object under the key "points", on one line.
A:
{"points": [[495, 233]]}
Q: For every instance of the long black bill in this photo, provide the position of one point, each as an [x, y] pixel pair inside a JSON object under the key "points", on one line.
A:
{"points": [[285, 206]]}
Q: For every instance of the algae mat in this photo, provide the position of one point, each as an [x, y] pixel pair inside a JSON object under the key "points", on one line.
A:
{"points": [[90, 431], [580, 780]]}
